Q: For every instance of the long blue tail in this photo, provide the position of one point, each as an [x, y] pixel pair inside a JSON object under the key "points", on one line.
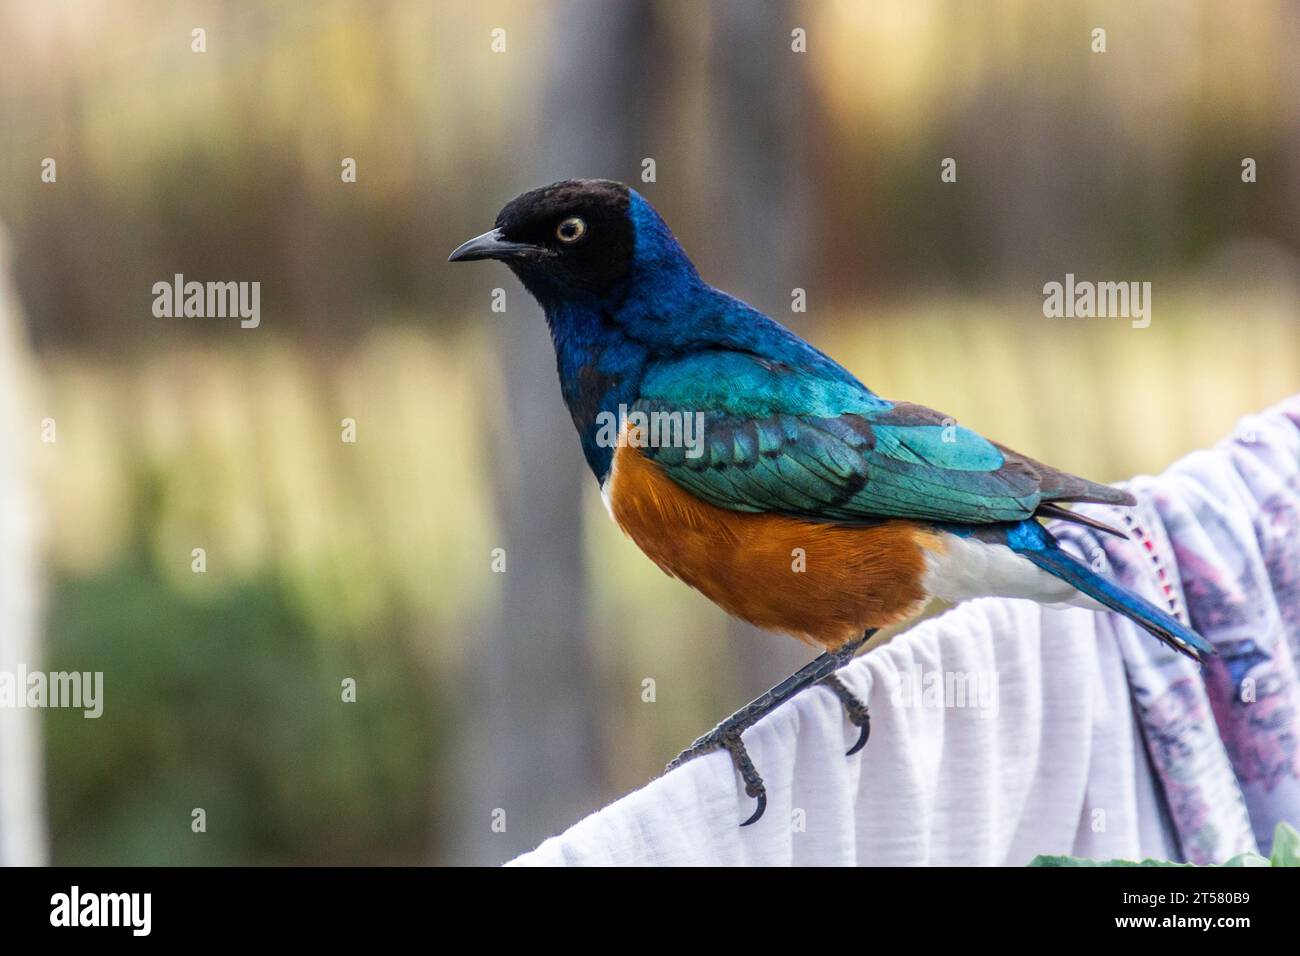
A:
{"points": [[1037, 544]]}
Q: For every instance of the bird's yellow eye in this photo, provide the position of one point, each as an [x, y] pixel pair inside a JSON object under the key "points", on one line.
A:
{"points": [[571, 230]]}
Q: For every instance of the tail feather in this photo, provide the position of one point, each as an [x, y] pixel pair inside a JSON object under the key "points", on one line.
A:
{"points": [[1045, 553], [1049, 510]]}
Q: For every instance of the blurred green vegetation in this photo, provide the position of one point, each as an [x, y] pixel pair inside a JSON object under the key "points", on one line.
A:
{"points": [[232, 706]]}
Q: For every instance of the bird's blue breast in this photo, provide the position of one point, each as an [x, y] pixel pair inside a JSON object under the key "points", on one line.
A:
{"points": [[600, 370]]}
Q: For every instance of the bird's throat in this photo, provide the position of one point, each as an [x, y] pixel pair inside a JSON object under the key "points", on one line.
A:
{"points": [[600, 369]]}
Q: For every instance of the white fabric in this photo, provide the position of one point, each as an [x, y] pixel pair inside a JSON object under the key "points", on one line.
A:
{"points": [[1055, 766]]}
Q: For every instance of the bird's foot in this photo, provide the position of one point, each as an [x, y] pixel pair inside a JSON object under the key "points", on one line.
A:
{"points": [[726, 736], [854, 709]]}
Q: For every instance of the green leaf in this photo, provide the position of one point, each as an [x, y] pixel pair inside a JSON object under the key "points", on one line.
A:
{"points": [[1286, 846], [1245, 859], [1044, 860], [1288, 852]]}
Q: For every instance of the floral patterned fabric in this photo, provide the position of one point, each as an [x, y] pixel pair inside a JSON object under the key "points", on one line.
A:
{"points": [[1216, 541]]}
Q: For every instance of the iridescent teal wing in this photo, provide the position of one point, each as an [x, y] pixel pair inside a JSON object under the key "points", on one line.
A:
{"points": [[766, 437]]}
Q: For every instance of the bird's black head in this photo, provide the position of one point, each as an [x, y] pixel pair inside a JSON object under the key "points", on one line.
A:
{"points": [[571, 236]]}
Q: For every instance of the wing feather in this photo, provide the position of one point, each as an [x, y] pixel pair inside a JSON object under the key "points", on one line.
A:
{"points": [[782, 440]]}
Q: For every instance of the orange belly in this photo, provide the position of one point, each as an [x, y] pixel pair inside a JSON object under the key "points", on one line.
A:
{"points": [[823, 583]]}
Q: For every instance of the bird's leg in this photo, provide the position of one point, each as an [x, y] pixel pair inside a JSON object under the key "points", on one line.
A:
{"points": [[726, 736], [854, 708]]}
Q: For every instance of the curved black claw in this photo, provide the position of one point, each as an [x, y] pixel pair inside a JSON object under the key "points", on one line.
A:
{"points": [[723, 737], [758, 811], [864, 732], [732, 743], [854, 709]]}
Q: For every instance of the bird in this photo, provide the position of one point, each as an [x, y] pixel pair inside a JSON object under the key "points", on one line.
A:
{"points": [[756, 469]]}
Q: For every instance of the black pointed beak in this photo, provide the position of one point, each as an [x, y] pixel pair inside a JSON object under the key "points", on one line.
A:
{"points": [[493, 245]]}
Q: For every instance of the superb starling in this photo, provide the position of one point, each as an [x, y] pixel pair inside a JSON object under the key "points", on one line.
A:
{"points": [[759, 471]]}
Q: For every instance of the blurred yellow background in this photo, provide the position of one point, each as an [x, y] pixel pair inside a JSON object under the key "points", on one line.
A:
{"points": [[523, 691]]}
